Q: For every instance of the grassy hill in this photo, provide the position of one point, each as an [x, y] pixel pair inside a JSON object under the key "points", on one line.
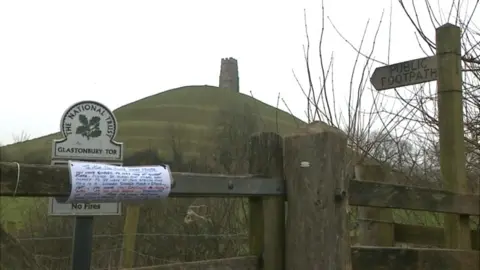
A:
{"points": [[188, 113]]}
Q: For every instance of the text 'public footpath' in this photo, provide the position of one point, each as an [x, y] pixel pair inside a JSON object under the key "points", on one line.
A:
{"points": [[408, 72]]}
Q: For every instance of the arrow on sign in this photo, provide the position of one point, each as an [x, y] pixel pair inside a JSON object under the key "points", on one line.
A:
{"points": [[405, 73]]}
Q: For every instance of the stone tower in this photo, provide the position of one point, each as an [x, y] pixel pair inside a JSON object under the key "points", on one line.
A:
{"points": [[229, 74]]}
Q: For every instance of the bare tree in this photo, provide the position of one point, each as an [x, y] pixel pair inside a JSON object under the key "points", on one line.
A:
{"points": [[358, 118], [23, 136], [403, 135], [368, 120], [234, 128], [423, 100]]}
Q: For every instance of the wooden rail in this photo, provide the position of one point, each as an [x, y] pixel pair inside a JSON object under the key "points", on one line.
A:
{"points": [[371, 258], [375, 258], [363, 193], [53, 181], [419, 235], [428, 236], [236, 263]]}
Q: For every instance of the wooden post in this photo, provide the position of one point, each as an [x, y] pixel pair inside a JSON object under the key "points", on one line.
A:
{"points": [[317, 222], [450, 116], [255, 226], [127, 259], [375, 224], [268, 230]]}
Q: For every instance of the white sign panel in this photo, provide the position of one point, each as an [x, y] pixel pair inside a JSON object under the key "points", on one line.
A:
{"points": [[83, 209], [89, 130], [406, 73], [57, 208], [97, 182]]}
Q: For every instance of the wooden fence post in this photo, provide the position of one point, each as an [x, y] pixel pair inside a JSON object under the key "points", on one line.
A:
{"points": [[317, 221], [450, 118], [127, 258], [267, 214], [376, 227]]}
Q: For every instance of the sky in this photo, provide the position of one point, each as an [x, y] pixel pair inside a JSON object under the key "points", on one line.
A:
{"points": [[56, 53]]}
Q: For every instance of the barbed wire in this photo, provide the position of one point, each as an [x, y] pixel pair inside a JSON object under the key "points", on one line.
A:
{"points": [[238, 235], [103, 251], [156, 261], [68, 257], [162, 261], [173, 264]]}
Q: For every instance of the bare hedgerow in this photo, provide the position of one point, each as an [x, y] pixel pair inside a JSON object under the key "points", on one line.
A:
{"points": [[398, 128]]}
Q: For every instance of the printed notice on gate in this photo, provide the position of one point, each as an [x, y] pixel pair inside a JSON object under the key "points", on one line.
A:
{"points": [[96, 182]]}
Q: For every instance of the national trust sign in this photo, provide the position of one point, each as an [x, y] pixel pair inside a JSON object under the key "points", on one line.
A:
{"points": [[89, 130]]}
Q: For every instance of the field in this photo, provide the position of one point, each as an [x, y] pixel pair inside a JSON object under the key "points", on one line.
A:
{"points": [[186, 117], [196, 128], [196, 122]]}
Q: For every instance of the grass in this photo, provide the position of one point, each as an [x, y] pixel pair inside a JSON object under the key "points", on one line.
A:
{"points": [[12, 209]]}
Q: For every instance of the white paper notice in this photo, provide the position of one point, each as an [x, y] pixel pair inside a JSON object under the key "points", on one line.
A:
{"points": [[97, 182]]}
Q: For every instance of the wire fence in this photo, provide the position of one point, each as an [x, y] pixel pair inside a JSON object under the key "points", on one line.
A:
{"points": [[108, 257], [159, 261], [231, 236], [180, 230]]}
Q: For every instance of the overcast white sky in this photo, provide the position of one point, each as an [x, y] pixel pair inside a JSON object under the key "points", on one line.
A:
{"points": [[55, 53]]}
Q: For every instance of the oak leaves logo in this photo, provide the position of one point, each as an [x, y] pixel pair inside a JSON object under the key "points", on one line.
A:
{"points": [[89, 128]]}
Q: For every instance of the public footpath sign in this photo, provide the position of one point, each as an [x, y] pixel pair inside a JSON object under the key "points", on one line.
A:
{"points": [[406, 73], [89, 130]]}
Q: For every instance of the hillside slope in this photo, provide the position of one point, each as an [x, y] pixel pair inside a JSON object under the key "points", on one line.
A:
{"points": [[189, 114]]}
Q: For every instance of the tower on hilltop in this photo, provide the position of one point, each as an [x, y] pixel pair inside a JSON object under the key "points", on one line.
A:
{"points": [[229, 74]]}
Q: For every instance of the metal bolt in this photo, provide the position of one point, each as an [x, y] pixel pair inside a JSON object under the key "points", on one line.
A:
{"points": [[230, 184], [340, 194]]}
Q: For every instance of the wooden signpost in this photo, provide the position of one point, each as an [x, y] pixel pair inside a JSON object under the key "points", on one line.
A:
{"points": [[89, 130], [445, 67]]}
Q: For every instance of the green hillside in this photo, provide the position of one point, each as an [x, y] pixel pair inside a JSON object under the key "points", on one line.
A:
{"points": [[189, 114]]}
